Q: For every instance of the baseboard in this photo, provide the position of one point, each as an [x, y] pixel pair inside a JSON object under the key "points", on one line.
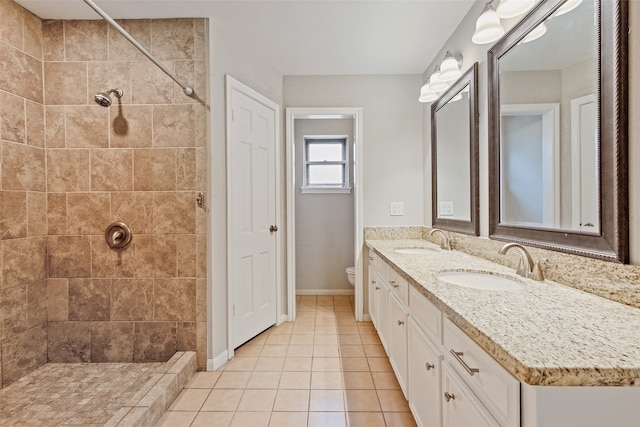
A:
{"points": [[283, 318], [219, 360], [324, 292], [366, 317]]}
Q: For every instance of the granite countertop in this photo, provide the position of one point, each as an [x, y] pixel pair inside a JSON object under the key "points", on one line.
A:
{"points": [[545, 334]]}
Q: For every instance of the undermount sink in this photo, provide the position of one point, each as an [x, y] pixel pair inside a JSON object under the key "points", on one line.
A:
{"points": [[481, 280], [416, 251]]}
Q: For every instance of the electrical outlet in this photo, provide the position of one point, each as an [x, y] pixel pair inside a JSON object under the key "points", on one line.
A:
{"points": [[396, 208], [446, 208]]}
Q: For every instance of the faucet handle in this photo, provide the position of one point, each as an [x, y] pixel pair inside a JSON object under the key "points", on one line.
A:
{"points": [[537, 273], [522, 269]]}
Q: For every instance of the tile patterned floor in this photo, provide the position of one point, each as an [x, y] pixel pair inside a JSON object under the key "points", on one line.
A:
{"points": [[323, 370]]}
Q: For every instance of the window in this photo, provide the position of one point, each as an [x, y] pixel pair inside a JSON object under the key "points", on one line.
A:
{"points": [[326, 164]]}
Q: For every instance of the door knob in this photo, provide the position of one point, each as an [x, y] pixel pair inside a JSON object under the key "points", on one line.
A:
{"points": [[273, 228]]}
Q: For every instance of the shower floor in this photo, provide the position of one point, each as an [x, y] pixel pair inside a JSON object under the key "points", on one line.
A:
{"points": [[95, 394]]}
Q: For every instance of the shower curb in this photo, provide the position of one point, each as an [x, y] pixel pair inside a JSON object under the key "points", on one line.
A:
{"points": [[147, 406]]}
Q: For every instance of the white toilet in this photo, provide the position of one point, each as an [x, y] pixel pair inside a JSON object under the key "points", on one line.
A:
{"points": [[351, 275]]}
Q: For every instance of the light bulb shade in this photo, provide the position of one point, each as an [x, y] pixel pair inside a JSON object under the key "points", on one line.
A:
{"points": [[436, 84], [512, 8], [488, 27], [449, 69], [426, 95], [536, 33], [567, 7]]}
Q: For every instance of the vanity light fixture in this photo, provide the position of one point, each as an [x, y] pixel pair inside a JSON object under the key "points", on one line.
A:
{"points": [[512, 8], [488, 26], [536, 33], [436, 84], [567, 7], [426, 94], [450, 68]]}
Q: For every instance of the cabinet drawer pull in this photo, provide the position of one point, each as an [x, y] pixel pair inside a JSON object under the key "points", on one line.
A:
{"points": [[458, 356], [377, 288], [374, 282], [429, 366], [400, 323], [393, 283], [370, 258], [449, 396]]}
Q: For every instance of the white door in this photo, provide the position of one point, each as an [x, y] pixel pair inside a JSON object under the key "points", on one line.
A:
{"points": [[252, 214], [585, 164]]}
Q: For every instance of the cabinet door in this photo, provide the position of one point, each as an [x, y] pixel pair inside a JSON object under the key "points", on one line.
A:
{"points": [[460, 406], [425, 364], [398, 340], [374, 293], [383, 314]]}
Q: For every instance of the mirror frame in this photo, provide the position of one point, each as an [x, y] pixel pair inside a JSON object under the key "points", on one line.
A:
{"points": [[472, 227], [611, 243]]}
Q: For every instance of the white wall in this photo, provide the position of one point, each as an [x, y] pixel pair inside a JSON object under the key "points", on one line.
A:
{"points": [[325, 229], [392, 136], [228, 57]]}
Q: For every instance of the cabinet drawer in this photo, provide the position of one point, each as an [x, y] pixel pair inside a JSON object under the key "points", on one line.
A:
{"points": [[426, 315], [399, 286], [496, 388]]}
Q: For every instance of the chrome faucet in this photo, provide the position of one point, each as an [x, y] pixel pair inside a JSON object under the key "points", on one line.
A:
{"points": [[526, 267], [445, 243]]}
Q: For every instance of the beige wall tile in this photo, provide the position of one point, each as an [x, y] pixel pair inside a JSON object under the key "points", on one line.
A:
{"points": [[69, 342], [68, 170], [88, 213], [200, 28], [89, 299], [186, 255], [22, 73], [23, 261], [58, 298], [34, 124], [191, 73], [201, 300], [12, 117], [85, 40], [132, 299], [186, 169], [37, 303], [186, 336], [23, 167], [53, 40], [13, 214], [11, 30], [201, 345], [13, 311], [36, 214], [32, 34], [65, 83], [106, 75], [201, 169], [112, 170], [173, 126], [172, 38], [174, 299], [201, 256], [131, 127], [69, 256], [23, 353], [111, 342], [120, 48], [154, 341], [107, 262], [149, 85], [135, 209], [154, 169], [57, 213], [54, 132], [87, 127]]}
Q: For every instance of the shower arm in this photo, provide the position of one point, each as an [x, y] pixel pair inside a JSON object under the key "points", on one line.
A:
{"points": [[188, 90]]}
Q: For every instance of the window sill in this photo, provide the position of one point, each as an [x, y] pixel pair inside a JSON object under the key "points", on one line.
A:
{"points": [[325, 190]]}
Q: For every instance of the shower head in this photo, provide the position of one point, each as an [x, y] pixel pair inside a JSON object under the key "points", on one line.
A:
{"points": [[103, 99]]}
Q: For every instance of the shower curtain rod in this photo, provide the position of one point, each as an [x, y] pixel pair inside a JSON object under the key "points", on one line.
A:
{"points": [[188, 90]]}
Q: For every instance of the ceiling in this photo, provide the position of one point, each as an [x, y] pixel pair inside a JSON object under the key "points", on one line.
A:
{"points": [[305, 37]]}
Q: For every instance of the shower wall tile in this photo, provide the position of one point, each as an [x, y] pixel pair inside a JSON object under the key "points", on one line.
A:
{"points": [[65, 83], [35, 124], [173, 213], [186, 255], [154, 169], [201, 345], [13, 311], [132, 299], [201, 255], [12, 117], [23, 353], [87, 127], [11, 33], [172, 38], [134, 209], [54, 132], [69, 342], [132, 127], [173, 126], [201, 127], [53, 40], [105, 75], [186, 336], [120, 48], [201, 300], [23, 261], [13, 214], [32, 34], [37, 303], [186, 169], [69, 256], [154, 341], [57, 213], [21, 73], [36, 214], [194, 73], [149, 85], [24, 167], [85, 40], [201, 169], [112, 170], [58, 300], [200, 40], [174, 299], [112, 342], [89, 299], [107, 262], [88, 213], [68, 170], [165, 262]]}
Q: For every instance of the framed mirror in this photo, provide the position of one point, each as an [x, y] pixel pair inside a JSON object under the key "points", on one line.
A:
{"points": [[557, 130], [454, 156]]}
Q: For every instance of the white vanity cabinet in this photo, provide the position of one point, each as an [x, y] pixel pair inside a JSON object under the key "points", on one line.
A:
{"points": [[397, 352], [461, 408]]}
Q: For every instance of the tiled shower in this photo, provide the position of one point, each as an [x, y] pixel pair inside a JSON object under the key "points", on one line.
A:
{"points": [[69, 168]]}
